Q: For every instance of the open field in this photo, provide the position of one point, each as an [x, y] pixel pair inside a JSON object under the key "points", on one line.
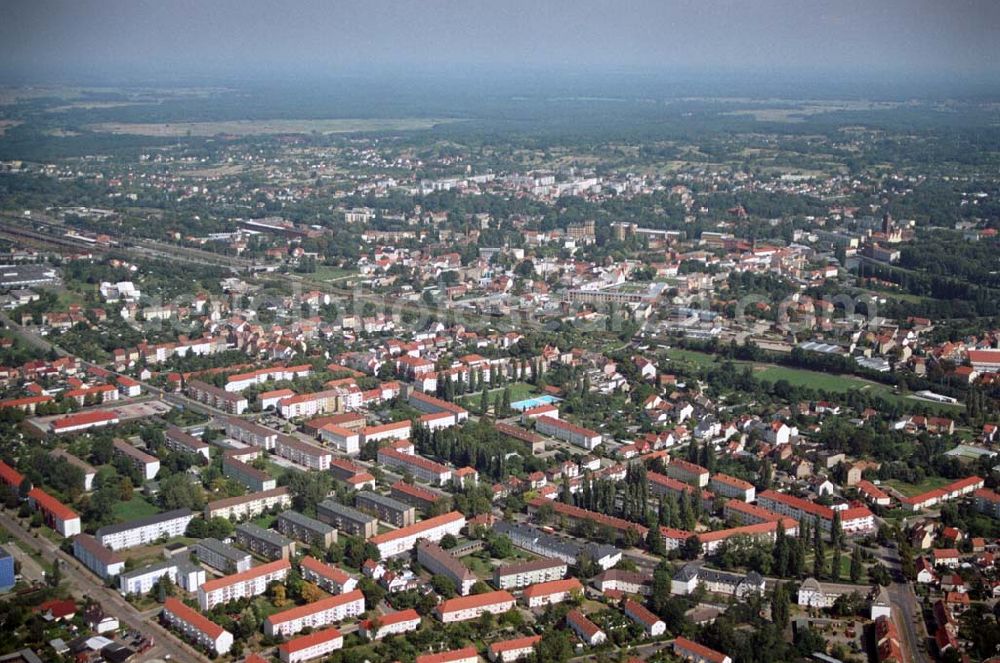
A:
{"points": [[801, 377], [137, 507], [263, 127], [911, 489]]}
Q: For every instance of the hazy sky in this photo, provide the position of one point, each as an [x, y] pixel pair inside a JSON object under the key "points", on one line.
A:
{"points": [[264, 37]]}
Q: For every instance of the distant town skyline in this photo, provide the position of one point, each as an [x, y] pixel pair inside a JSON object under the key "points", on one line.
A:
{"points": [[258, 39]]}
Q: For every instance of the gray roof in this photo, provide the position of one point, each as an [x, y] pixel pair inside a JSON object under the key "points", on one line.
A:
{"points": [[182, 566], [142, 522], [387, 502], [344, 511], [554, 544], [223, 550], [305, 521], [268, 535]]}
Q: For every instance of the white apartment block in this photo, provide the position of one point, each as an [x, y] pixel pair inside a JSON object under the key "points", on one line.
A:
{"points": [[316, 614], [421, 468], [516, 576], [465, 608], [433, 529], [251, 433], [181, 572], [239, 585], [732, 488], [196, 627], [563, 430], [146, 530], [342, 439], [105, 563], [312, 646], [303, 453], [395, 623], [249, 506], [148, 465]]}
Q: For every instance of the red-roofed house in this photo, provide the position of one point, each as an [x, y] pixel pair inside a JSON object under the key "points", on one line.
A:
{"points": [[689, 650], [196, 627], [394, 623], [551, 592], [506, 651], [308, 647]]}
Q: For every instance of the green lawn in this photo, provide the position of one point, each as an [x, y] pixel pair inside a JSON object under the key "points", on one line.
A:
{"points": [[137, 507], [264, 521], [328, 273], [911, 489], [478, 565], [845, 563], [699, 359], [519, 391], [800, 377]]}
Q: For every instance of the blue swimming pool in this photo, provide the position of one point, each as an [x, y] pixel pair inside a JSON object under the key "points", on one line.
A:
{"points": [[529, 403]]}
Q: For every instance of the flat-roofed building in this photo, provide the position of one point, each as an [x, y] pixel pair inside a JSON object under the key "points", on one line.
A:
{"points": [[222, 556], [180, 571], [246, 584], [522, 574], [264, 542], [316, 614], [439, 561], [347, 519], [104, 562], [197, 628], [304, 528], [385, 508], [465, 608], [143, 531], [404, 539], [249, 506], [326, 576]]}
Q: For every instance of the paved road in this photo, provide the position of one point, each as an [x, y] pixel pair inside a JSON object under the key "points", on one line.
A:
{"points": [[906, 611], [84, 584]]}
